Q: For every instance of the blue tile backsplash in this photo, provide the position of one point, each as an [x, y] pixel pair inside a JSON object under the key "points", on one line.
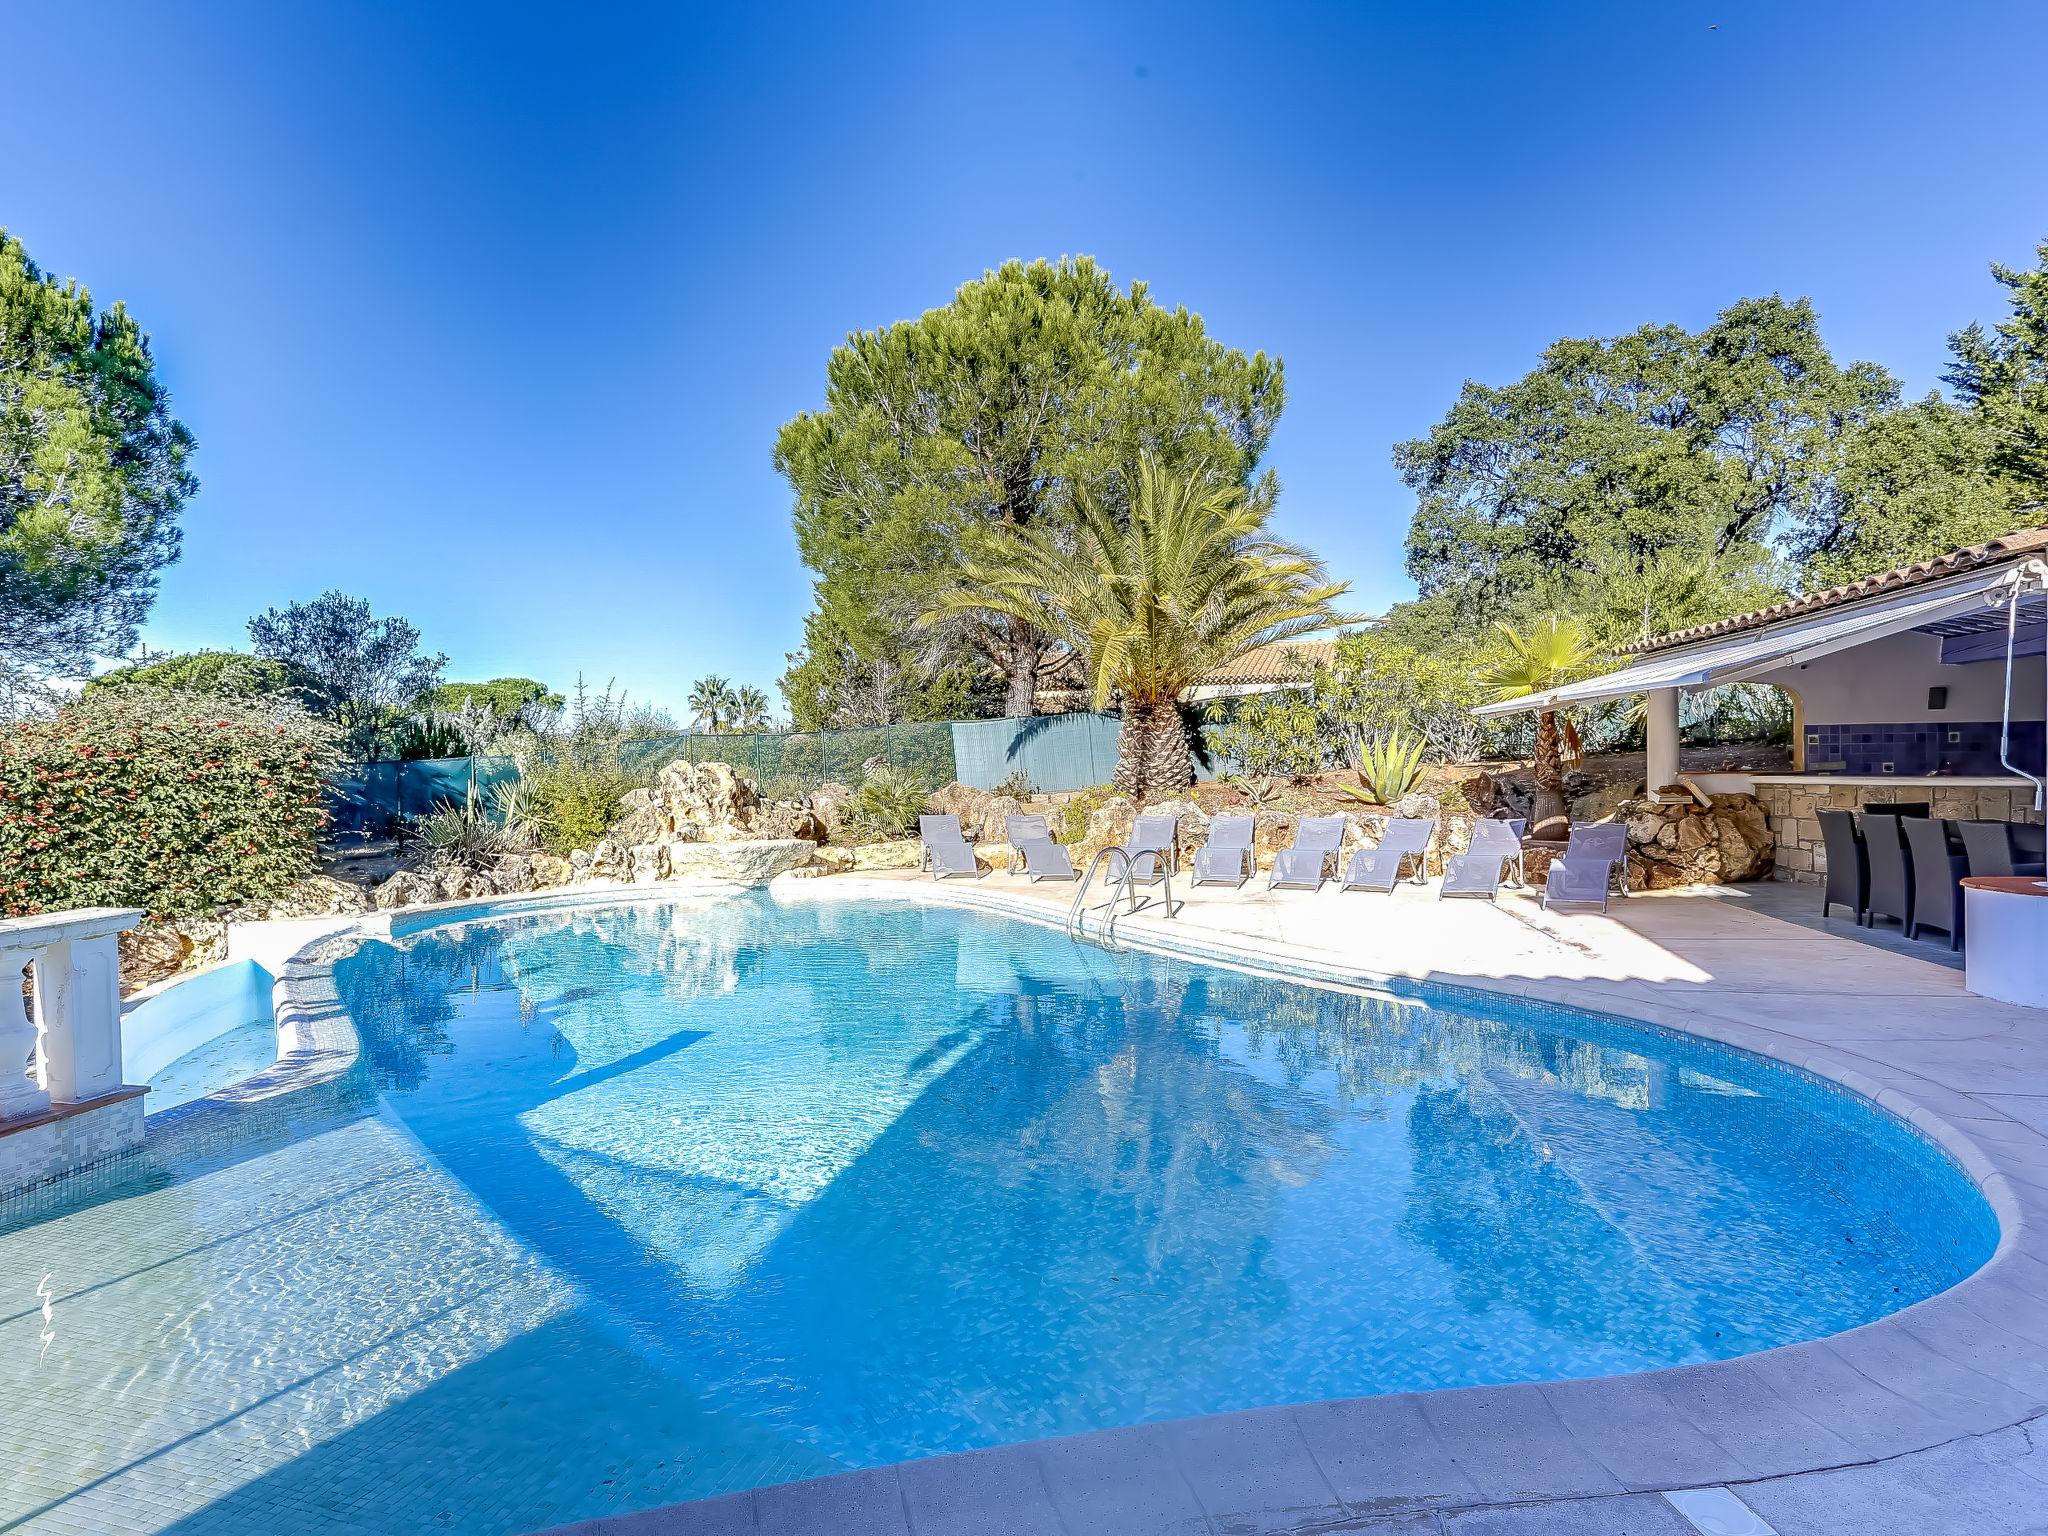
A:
{"points": [[1967, 748]]}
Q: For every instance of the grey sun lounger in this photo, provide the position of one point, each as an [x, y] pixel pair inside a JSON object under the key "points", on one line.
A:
{"points": [[1315, 844], [1043, 858], [1226, 859], [946, 851], [1580, 875], [1478, 870], [1150, 849], [1377, 869]]}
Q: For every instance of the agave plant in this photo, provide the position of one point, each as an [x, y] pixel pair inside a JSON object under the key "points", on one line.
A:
{"points": [[1389, 767], [1260, 790]]}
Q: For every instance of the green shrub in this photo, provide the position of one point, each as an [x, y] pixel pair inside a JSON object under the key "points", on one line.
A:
{"points": [[1075, 813], [577, 773], [887, 804], [1016, 784], [171, 800], [1280, 734]]}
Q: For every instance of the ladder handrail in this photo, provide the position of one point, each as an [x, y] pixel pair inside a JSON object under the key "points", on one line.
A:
{"points": [[1075, 928], [1122, 884]]}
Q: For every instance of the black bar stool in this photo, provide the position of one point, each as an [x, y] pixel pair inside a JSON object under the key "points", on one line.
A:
{"points": [[1937, 875], [1891, 877], [1848, 865]]}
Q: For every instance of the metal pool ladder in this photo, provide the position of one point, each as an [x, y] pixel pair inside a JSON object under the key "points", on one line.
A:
{"points": [[1122, 882]]}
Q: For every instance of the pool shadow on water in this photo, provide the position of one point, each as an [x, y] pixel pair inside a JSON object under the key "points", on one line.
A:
{"points": [[559, 1424]]}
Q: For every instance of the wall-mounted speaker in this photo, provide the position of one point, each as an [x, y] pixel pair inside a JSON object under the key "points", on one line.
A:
{"points": [[1937, 698]]}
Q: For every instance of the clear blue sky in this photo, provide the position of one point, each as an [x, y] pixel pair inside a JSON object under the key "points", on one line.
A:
{"points": [[490, 313]]}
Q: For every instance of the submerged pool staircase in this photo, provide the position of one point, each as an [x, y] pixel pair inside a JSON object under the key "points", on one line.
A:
{"points": [[1123, 881]]}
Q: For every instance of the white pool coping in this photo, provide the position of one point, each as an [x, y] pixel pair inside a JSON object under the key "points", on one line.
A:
{"points": [[1961, 1373]]}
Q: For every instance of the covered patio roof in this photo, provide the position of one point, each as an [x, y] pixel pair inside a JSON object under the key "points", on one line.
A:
{"points": [[1932, 593]]}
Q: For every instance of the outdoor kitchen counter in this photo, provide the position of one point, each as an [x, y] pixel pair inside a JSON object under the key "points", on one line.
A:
{"points": [[2005, 950]]}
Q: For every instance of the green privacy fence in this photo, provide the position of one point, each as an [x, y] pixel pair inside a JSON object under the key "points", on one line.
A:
{"points": [[1052, 753], [366, 796]]}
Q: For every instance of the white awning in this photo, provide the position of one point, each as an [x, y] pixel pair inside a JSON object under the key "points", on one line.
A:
{"points": [[1737, 657]]}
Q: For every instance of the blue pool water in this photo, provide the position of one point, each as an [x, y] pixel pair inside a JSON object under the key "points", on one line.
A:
{"points": [[224, 1060], [637, 1203]]}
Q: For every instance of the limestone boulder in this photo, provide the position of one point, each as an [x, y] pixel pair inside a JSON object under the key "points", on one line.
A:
{"points": [[1604, 801], [830, 860], [1685, 843], [785, 820], [1109, 826], [708, 797], [1271, 831], [550, 871], [998, 856], [899, 853], [1418, 806], [828, 804], [981, 811], [407, 888], [642, 819], [750, 861], [647, 862]]}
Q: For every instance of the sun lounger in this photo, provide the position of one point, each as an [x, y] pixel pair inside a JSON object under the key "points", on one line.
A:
{"points": [[1315, 845], [946, 851], [1377, 869], [1581, 874], [1043, 858], [1477, 872], [1151, 847], [1226, 859]]}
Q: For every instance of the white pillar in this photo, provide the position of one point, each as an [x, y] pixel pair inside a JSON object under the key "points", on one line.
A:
{"points": [[21, 1081], [80, 1007], [1661, 738]]}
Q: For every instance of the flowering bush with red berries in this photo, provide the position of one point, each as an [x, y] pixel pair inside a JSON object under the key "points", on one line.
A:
{"points": [[173, 801]]}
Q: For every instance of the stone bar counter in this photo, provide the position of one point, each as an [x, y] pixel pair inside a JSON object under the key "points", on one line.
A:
{"points": [[1790, 800]]}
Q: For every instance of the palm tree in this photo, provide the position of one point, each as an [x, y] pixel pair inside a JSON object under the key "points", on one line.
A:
{"points": [[1548, 656], [1184, 582], [711, 703], [750, 710]]}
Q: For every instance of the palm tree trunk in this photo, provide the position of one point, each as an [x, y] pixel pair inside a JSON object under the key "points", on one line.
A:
{"points": [[1025, 647], [1152, 759], [1550, 815]]}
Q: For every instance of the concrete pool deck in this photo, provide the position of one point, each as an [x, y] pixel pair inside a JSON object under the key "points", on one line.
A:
{"points": [[1927, 1420]]}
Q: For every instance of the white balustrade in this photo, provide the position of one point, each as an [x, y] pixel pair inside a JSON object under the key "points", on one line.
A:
{"points": [[60, 1008]]}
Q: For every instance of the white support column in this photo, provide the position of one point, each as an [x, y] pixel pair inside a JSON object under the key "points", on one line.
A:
{"points": [[1660, 738]]}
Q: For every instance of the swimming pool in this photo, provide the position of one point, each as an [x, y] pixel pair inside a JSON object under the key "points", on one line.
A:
{"points": [[636, 1203]]}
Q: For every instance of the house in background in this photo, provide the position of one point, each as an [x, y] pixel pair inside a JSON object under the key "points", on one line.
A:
{"points": [[1063, 685]]}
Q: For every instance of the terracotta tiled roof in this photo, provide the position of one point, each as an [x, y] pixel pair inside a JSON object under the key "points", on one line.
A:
{"points": [[1290, 661], [2012, 546]]}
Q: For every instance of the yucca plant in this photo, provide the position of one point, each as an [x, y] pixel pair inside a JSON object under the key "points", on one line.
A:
{"points": [[1151, 597], [1389, 767]]}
